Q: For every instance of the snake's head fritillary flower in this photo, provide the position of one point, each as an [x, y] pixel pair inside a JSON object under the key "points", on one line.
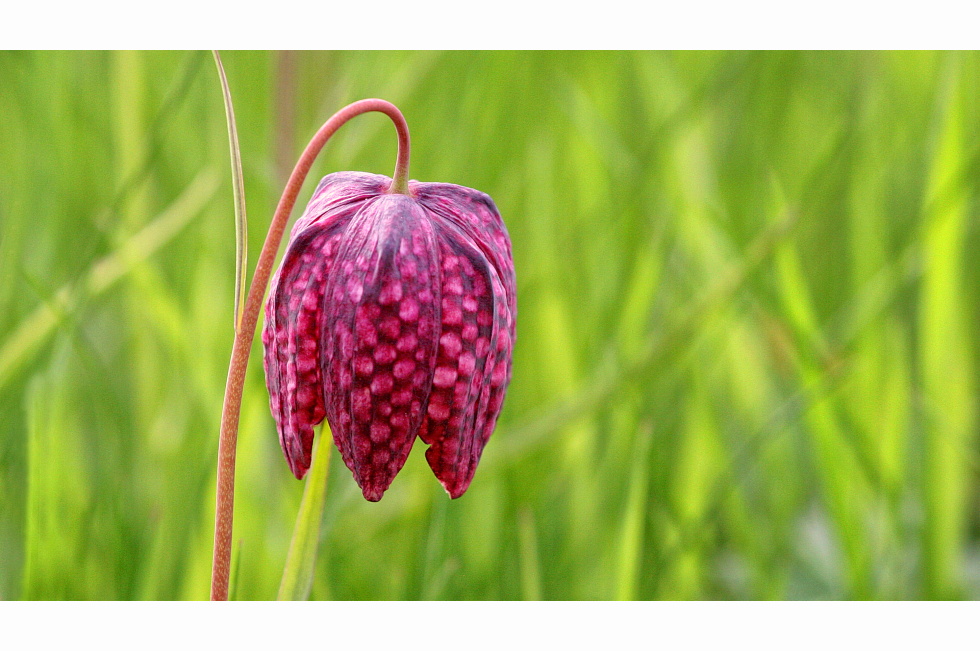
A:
{"points": [[393, 316]]}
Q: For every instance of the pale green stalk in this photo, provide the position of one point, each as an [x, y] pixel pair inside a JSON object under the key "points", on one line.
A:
{"points": [[297, 576]]}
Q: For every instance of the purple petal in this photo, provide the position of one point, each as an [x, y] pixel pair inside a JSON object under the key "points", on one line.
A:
{"points": [[478, 331], [294, 314], [380, 343], [464, 365], [293, 319], [474, 213]]}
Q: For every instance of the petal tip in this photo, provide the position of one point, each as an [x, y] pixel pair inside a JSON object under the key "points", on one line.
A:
{"points": [[454, 489], [299, 470], [372, 493]]}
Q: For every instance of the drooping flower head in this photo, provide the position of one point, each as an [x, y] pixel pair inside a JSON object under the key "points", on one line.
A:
{"points": [[393, 316]]}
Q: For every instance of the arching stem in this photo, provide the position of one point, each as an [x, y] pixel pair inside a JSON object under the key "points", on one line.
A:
{"points": [[231, 409]]}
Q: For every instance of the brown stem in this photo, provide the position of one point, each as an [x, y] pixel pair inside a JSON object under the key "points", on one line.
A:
{"points": [[228, 438]]}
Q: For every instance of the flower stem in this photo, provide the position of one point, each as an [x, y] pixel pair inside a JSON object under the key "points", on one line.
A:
{"points": [[297, 575], [231, 409]]}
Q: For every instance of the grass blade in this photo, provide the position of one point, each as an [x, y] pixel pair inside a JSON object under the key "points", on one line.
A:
{"points": [[238, 188]]}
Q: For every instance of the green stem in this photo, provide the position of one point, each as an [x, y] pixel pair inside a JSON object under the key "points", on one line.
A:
{"points": [[297, 576], [231, 409]]}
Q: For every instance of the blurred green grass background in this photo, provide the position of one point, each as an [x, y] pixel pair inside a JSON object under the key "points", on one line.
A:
{"points": [[747, 357]]}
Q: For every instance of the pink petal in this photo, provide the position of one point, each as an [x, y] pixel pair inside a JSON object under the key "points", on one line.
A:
{"points": [[384, 313], [294, 314], [476, 342]]}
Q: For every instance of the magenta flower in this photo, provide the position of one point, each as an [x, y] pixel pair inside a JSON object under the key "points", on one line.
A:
{"points": [[393, 316]]}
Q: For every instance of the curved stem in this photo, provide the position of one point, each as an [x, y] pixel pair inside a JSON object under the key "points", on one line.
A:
{"points": [[228, 437]]}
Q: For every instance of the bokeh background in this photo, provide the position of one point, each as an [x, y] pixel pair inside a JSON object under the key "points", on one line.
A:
{"points": [[747, 350]]}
